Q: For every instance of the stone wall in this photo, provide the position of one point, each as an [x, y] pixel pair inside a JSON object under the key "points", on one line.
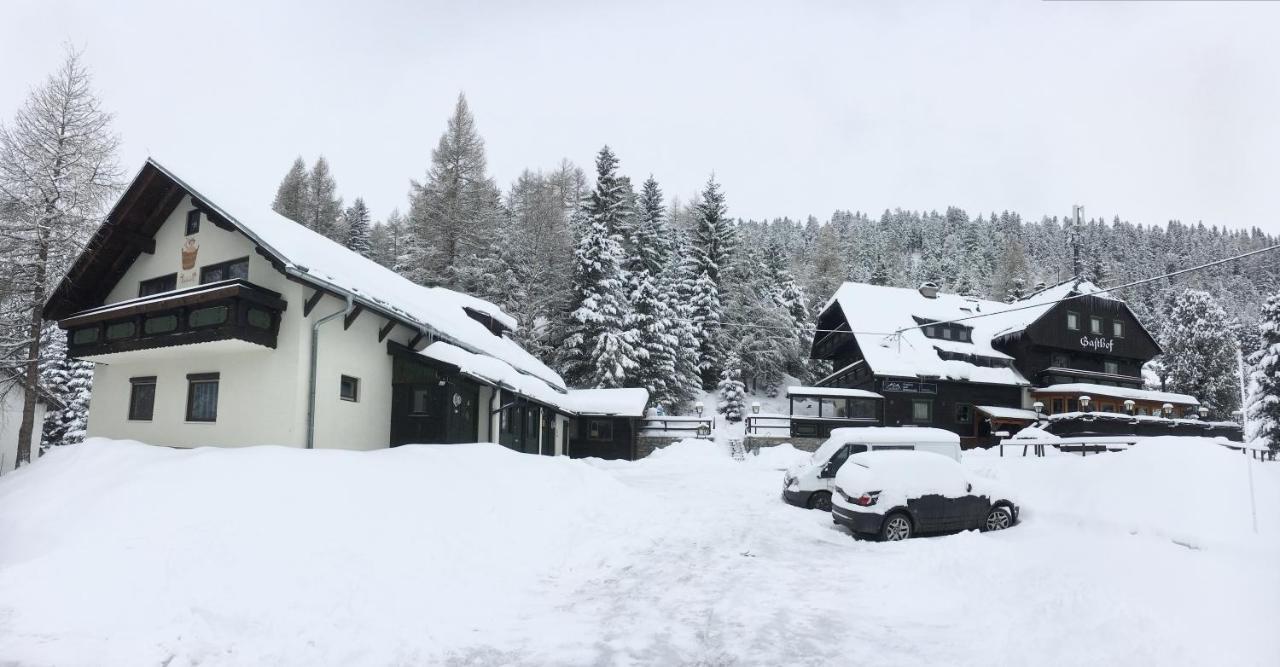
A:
{"points": [[754, 442]]}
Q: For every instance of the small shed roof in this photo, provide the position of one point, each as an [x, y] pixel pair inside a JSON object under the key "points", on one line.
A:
{"points": [[1092, 390], [831, 391]]}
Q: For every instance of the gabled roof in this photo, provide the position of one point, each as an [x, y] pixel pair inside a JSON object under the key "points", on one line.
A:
{"points": [[876, 313], [1027, 310], [298, 252]]}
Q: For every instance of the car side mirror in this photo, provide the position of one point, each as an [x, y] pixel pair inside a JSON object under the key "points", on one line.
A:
{"points": [[827, 470]]}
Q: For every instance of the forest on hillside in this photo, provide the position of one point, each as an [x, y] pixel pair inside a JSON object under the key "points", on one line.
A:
{"points": [[616, 283]]}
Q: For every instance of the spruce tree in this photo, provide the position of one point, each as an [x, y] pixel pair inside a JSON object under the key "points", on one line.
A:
{"points": [[1264, 380], [291, 196], [713, 243], [732, 402], [1199, 353], [356, 221], [601, 348]]}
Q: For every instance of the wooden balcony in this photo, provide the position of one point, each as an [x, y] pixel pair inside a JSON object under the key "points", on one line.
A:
{"points": [[225, 310]]}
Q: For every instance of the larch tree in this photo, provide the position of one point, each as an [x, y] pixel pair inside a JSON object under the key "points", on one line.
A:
{"points": [[1200, 354], [454, 211], [356, 221], [322, 208], [291, 196], [58, 172]]}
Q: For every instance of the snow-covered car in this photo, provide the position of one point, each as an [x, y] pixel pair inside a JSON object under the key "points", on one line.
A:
{"points": [[811, 484], [896, 495]]}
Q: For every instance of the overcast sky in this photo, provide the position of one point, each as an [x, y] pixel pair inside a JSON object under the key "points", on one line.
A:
{"points": [[1146, 110]]}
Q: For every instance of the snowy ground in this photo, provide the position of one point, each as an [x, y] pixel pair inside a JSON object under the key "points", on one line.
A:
{"points": [[121, 554]]}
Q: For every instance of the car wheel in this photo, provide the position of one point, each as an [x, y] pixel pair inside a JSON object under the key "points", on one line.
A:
{"points": [[998, 518], [896, 527], [820, 500]]}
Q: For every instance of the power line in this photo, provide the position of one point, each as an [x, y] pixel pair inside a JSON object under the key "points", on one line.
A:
{"points": [[1006, 311]]}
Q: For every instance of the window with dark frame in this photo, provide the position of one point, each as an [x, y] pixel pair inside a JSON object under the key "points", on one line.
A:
{"points": [[142, 398], [1111, 367], [349, 388], [1073, 320], [1057, 406], [193, 221], [158, 285], [600, 429], [1117, 328], [1095, 324], [921, 410], [230, 270], [964, 413], [202, 397]]}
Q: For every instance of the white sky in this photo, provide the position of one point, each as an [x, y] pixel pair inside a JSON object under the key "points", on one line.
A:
{"points": [[1147, 110]]}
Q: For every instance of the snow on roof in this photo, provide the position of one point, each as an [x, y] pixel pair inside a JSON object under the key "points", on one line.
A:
{"points": [[894, 434], [1117, 392], [875, 313], [615, 402], [1008, 413], [1022, 313], [318, 260], [831, 391]]}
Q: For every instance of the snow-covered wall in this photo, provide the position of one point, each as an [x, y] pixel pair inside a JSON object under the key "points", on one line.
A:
{"points": [[10, 420]]}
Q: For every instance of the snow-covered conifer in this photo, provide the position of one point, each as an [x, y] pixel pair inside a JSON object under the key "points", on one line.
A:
{"points": [[356, 222], [1264, 380], [732, 402], [291, 196], [1200, 354], [322, 207]]}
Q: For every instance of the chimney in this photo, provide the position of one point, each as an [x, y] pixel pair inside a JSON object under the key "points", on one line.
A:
{"points": [[929, 290]]}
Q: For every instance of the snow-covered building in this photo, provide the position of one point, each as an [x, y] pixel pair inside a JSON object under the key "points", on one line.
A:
{"points": [[976, 367], [212, 321]]}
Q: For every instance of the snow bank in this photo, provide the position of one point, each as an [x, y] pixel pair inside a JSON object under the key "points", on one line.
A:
{"points": [[690, 451], [780, 457], [1191, 490], [132, 554]]}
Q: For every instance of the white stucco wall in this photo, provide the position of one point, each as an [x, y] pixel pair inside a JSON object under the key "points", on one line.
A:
{"points": [[262, 393], [10, 421]]}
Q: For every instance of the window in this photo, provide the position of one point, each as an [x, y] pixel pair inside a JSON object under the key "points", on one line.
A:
{"points": [[207, 317], [963, 334], [804, 407], [193, 221], [1108, 407], [349, 388], [946, 333], [1072, 406], [862, 408], [964, 413], [835, 407], [1060, 360], [85, 336], [1073, 321], [1117, 328], [1095, 325], [202, 397], [160, 324], [422, 404], [1111, 367], [232, 270], [931, 332], [258, 318], [1057, 406], [157, 285], [921, 410], [599, 429], [118, 330], [142, 398]]}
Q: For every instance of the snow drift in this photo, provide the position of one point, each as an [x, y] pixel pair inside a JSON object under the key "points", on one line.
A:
{"points": [[137, 553]]}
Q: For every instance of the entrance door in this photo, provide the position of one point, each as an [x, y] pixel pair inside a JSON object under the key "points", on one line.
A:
{"points": [[462, 400]]}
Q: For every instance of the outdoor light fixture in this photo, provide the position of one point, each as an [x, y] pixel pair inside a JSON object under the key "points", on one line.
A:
{"points": [[1168, 410], [1204, 412], [1038, 407], [1084, 403], [755, 407], [1128, 406], [698, 406]]}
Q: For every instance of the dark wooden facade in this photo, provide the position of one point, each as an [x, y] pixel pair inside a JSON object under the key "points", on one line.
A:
{"points": [[431, 403], [602, 437], [1049, 351]]}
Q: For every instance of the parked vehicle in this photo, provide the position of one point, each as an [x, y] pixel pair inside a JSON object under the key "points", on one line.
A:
{"points": [[897, 495], [811, 485]]}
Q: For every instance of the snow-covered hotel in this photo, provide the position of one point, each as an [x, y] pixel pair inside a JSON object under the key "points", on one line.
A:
{"points": [[212, 322], [979, 367]]}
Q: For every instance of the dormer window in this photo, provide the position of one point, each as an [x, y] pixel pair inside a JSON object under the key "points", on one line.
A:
{"points": [[491, 323], [945, 330]]}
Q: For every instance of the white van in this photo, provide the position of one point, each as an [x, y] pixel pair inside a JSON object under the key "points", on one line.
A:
{"points": [[810, 485]]}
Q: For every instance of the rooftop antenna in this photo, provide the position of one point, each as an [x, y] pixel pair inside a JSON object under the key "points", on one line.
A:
{"points": [[1077, 213]]}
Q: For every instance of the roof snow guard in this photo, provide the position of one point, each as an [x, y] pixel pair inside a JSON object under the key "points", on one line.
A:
{"points": [[296, 251]]}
